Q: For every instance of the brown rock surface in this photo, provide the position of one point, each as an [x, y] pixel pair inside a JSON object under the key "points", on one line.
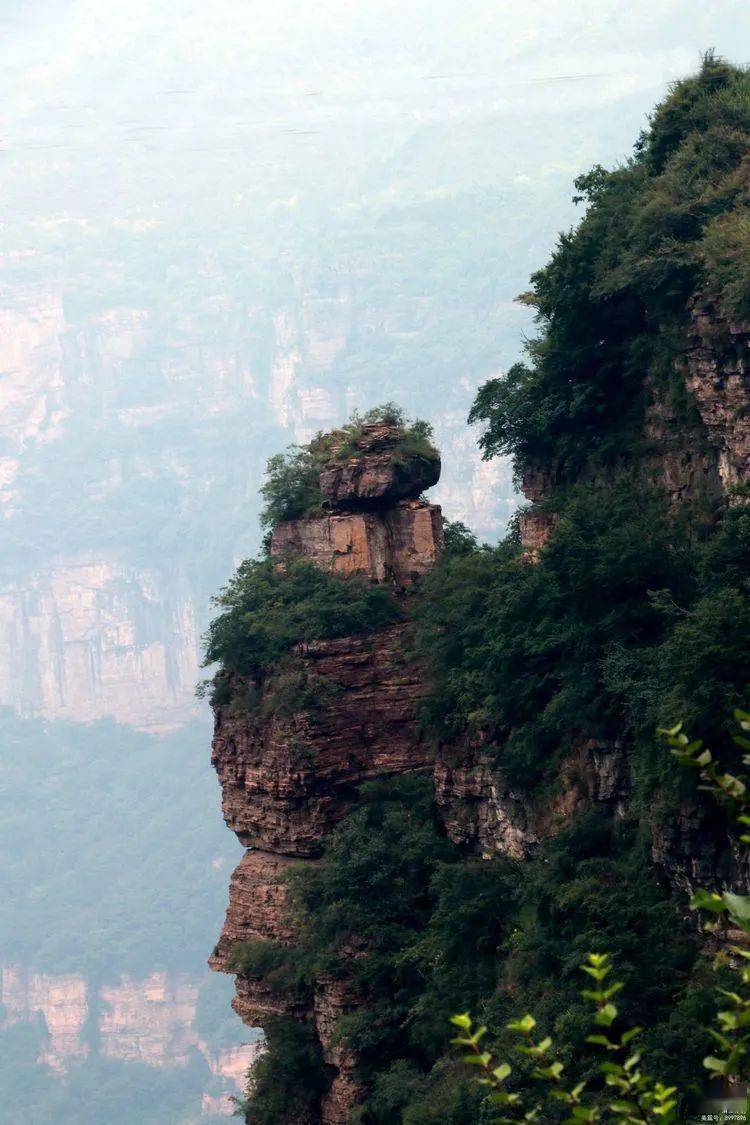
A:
{"points": [[285, 782], [335, 998], [719, 379], [257, 905], [396, 546], [535, 528], [288, 778], [377, 472], [484, 813]]}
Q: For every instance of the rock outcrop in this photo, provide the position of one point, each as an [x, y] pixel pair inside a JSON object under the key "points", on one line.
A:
{"points": [[395, 546], [696, 452], [375, 469], [718, 378], [288, 779], [489, 817], [149, 1020]]}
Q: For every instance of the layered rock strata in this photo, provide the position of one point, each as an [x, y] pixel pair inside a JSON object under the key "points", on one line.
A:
{"points": [[697, 452], [288, 779], [489, 817]]}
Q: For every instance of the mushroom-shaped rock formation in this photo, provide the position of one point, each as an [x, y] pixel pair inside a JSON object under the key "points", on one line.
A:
{"points": [[377, 468], [376, 525]]}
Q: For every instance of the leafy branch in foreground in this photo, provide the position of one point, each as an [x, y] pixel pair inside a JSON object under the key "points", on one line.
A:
{"points": [[638, 1098], [733, 1036]]}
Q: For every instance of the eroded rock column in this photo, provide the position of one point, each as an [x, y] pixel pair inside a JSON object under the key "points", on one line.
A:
{"points": [[288, 779]]}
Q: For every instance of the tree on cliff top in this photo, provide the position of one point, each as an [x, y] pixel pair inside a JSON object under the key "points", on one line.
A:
{"points": [[670, 225], [267, 610], [292, 486]]}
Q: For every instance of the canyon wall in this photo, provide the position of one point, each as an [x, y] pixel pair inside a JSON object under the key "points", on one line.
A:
{"points": [[136, 413], [123, 428], [150, 1021]]}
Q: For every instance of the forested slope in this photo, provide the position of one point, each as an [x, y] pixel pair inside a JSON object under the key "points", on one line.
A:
{"points": [[535, 815]]}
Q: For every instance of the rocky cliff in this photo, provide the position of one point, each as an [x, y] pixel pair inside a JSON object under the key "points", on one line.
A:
{"points": [[286, 780], [149, 1021], [696, 454], [109, 421]]}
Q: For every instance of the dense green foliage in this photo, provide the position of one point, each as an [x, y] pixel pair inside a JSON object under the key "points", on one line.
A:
{"points": [[629, 617], [435, 933], [631, 1095], [292, 488], [267, 610], [633, 615], [669, 225], [288, 1077]]}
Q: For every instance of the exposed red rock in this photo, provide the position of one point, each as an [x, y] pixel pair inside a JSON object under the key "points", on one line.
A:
{"points": [[335, 998], [288, 778], [397, 546], [257, 904], [535, 528], [378, 471]]}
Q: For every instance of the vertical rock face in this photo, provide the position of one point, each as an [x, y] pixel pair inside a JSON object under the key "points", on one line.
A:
{"points": [[395, 546], [719, 380], [92, 631], [690, 455], [150, 1021], [694, 455], [285, 780], [489, 817]]}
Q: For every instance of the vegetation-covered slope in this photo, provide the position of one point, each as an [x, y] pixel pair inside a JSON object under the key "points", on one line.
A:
{"points": [[671, 224], [636, 611]]}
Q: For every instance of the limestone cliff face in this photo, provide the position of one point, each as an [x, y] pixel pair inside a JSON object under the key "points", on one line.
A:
{"points": [[150, 1021], [99, 637], [489, 817], [719, 379], [286, 780]]}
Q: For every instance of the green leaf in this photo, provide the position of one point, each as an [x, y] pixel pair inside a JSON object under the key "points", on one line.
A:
{"points": [[739, 908], [606, 1016], [552, 1072], [707, 900], [477, 1060], [602, 1041]]}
